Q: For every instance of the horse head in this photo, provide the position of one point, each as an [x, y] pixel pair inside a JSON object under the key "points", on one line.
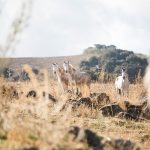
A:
{"points": [[55, 67]]}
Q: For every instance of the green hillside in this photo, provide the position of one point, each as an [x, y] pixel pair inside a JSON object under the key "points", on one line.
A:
{"points": [[111, 60]]}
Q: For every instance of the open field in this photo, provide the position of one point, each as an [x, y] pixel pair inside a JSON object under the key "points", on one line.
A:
{"points": [[43, 62], [97, 97], [38, 123]]}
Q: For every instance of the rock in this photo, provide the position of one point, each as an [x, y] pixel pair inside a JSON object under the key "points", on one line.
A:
{"points": [[8, 73], [134, 111], [125, 110], [32, 94], [146, 112], [92, 95], [35, 71], [128, 116], [96, 142], [50, 97], [125, 145], [101, 99], [72, 102], [10, 92], [24, 76], [31, 148], [111, 110], [138, 111], [82, 135], [85, 101]]}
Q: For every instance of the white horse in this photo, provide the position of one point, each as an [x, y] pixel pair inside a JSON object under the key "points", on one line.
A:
{"points": [[81, 80], [122, 83]]}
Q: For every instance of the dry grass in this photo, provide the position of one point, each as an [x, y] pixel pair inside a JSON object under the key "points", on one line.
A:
{"points": [[135, 92], [147, 80], [37, 122]]}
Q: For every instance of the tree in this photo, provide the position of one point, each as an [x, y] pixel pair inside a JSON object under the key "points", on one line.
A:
{"points": [[93, 61], [112, 60], [84, 65]]}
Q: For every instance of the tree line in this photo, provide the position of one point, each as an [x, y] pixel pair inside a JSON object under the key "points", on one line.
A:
{"points": [[106, 62]]}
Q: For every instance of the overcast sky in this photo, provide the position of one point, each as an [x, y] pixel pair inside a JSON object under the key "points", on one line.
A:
{"points": [[67, 27]]}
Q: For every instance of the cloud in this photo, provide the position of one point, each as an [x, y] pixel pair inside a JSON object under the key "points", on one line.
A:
{"points": [[67, 27]]}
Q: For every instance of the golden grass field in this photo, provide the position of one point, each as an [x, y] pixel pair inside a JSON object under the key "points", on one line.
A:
{"points": [[39, 123], [44, 62]]}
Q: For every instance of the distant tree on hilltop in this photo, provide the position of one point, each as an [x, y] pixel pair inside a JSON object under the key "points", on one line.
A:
{"points": [[112, 60]]}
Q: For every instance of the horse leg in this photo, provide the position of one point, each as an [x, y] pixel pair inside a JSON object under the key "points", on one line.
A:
{"points": [[119, 91], [122, 91]]}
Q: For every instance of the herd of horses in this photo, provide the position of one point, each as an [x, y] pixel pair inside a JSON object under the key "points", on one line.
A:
{"points": [[68, 76], [73, 80], [79, 84]]}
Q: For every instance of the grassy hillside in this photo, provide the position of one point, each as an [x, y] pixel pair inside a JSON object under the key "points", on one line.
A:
{"points": [[37, 123], [43, 62], [31, 119], [110, 61]]}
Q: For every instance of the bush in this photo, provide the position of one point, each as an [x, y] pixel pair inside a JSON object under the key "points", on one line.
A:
{"points": [[112, 60]]}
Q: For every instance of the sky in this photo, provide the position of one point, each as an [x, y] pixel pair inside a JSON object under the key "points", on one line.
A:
{"points": [[67, 27]]}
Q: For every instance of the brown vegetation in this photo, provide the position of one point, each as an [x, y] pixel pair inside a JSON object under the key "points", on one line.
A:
{"points": [[37, 122]]}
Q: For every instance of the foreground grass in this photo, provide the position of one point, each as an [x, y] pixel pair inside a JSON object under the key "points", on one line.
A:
{"points": [[38, 123]]}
